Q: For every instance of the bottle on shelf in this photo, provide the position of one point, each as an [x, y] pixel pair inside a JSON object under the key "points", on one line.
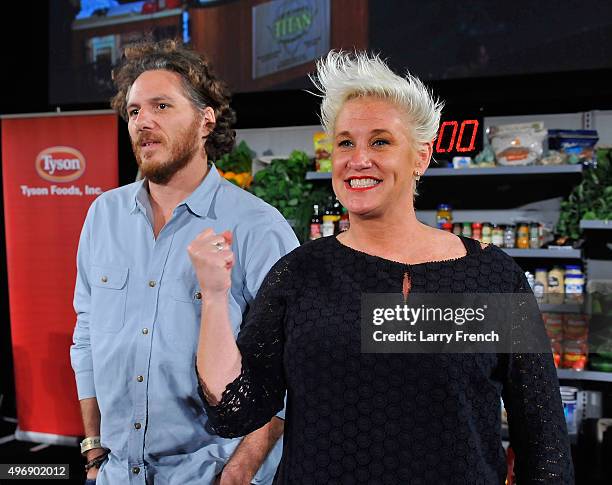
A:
{"points": [[344, 222], [328, 226], [477, 231], [443, 215], [540, 287], [315, 223], [336, 211]]}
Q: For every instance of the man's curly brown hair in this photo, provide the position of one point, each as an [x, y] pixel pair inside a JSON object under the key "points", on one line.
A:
{"points": [[200, 83]]}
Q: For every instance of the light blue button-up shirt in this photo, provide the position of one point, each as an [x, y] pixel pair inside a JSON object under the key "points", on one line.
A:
{"points": [[138, 318]]}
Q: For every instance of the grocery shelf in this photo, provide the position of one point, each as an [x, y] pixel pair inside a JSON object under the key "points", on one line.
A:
{"points": [[561, 307], [595, 224], [503, 170], [499, 170], [543, 253], [318, 175], [584, 375]]}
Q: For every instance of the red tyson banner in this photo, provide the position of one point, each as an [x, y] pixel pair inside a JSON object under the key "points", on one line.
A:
{"points": [[53, 167]]}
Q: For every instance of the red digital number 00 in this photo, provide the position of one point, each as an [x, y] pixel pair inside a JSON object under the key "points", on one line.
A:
{"points": [[455, 126]]}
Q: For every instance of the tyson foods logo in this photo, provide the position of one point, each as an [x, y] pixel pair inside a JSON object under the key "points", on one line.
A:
{"points": [[60, 164]]}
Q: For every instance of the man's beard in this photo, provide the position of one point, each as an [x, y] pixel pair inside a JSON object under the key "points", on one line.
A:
{"points": [[182, 150]]}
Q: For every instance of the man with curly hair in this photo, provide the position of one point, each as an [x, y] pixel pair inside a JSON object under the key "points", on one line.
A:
{"points": [[137, 297]]}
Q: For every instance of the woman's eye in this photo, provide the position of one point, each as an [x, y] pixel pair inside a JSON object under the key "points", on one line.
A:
{"points": [[380, 142], [345, 143], [163, 105], [133, 112]]}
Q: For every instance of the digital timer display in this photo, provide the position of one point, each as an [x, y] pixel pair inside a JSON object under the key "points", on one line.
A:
{"points": [[459, 138]]}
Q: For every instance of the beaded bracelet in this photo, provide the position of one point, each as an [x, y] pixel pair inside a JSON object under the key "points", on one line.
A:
{"points": [[97, 461]]}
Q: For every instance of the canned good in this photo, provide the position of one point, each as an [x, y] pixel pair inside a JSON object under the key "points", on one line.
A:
{"points": [[467, 229], [457, 229]]}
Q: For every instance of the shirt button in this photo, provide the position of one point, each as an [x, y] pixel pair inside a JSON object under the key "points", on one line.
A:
{"points": [[198, 295], [140, 378], [135, 470], [137, 425], [152, 283], [145, 331], [104, 279]]}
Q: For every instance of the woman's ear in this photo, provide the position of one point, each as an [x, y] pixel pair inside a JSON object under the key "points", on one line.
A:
{"points": [[423, 158], [208, 122]]}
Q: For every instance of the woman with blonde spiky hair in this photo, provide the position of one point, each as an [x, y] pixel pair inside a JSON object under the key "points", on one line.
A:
{"points": [[390, 418]]}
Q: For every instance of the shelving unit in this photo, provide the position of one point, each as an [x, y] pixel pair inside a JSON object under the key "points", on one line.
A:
{"points": [[484, 171], [544, 253], [561, 308], [586, 375], [597, 225]]}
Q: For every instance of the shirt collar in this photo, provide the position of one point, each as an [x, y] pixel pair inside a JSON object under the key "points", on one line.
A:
{"points": [[199, 201]]}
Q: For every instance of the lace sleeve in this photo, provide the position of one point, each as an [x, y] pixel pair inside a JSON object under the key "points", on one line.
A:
{"points": [[537, 427], [257, 394]]}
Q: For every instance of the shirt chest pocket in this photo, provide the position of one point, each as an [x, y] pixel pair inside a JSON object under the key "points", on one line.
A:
{"points": [[108, 297]]}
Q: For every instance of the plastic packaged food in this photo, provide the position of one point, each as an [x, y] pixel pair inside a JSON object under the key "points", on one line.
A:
{"points": [[574, 354], [443, 215], [576, 146], [517, 144], [575, 327]]}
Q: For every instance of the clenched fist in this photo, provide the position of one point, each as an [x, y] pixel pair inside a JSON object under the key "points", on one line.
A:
{"points": [[212, 258]]}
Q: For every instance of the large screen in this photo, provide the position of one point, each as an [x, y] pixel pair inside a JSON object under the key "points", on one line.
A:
{"points": [[263, 45]]}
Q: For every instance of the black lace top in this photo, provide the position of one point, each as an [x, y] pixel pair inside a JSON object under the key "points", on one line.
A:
{"points": [[388, 418]]}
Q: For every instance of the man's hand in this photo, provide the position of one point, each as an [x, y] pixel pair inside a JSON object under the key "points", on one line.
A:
{"points": [[234, 476], [92, 473], [212, 259]]}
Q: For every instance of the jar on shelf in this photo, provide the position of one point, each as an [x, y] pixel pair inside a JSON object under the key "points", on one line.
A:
{"points": [[534, 235], [510, 236], [457, 229], [541, 282], [467, 229], [487, 233], [497, 235], [522, 236], [477, 231]]}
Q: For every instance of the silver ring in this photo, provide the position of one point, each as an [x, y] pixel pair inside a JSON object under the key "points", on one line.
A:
{"points": [[219, 245]]}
